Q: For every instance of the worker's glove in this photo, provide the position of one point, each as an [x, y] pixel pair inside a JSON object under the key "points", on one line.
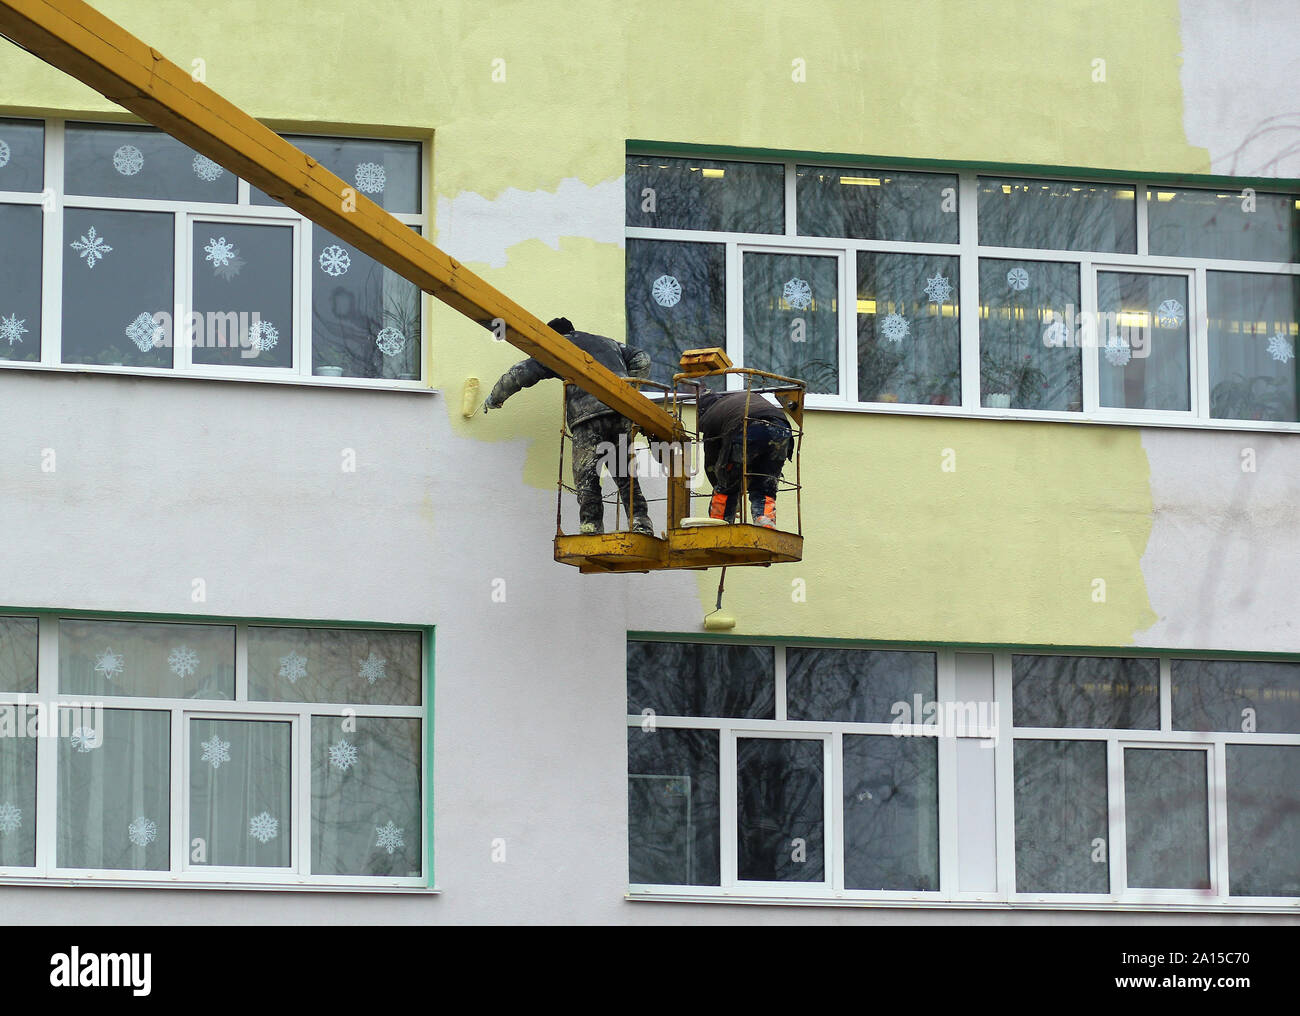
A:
{"points": [[489, 404]]}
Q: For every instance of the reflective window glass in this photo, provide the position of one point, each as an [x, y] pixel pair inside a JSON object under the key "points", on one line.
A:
{"points": [[1057, 215], [736, 197], [909, 329], [869, 204], [1215, 224]]}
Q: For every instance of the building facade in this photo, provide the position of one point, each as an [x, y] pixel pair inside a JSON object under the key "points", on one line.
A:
{"points": [[298, 616]]}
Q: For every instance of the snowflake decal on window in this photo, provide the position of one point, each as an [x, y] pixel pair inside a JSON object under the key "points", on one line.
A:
{"points": [[11, 329], [798, 294], [335, 261], [262, 336], [894, 327], [205, 169], [1018, 279], [938, 289], [370, 178], [1279, 348], [91, 247], [343, 755], [183, 661], [144, 331], [293, 667], [1118, 352], [142, 831], [390, 341], [666, 290], [4, 154], [263, 827], [372, 668], [390, 837], [1056, 335], [215, 751], [220, 251], [85, 739], [10, 818], [1169, 314], [128, 160], [110, 664]]}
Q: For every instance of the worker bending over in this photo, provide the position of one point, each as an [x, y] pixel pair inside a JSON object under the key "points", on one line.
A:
{"points": [[768, 440], [591, 423]]}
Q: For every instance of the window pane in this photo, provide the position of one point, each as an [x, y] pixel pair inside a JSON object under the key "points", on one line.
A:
{"points": [[140, 162], [869, 204], [1253, 325], [792, 328], [1142, 341], [1085, 691], [102, 658], [387, 172], [18, 655], [1236, 695], [365, 319], [241, 792], [672, 807], [1017, 368], [1205, 224], [114, 793], [891, 812], [779, 810], [737, 197], [117, 274], [365, 796], [1061, 815], [22, 155], [676, 300], [909, 332], [694, 679], [18, 799], [1263, 820], [1057, 215], [335, 665], [243, 291], [1166, 818], [855, 685], [20, 280]]}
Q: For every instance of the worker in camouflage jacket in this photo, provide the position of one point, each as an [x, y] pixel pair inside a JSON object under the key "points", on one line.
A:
{"points": [[744, 436], [591, 422]]}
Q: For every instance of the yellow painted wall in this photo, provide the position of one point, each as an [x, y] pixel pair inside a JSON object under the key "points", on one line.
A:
{"points": [[1003, 549]]}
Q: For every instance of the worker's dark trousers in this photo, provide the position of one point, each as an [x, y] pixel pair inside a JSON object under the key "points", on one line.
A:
{"points": [[769, 447], [588, 456]]}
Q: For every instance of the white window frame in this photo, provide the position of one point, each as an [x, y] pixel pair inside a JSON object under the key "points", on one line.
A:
{"points": [[969, 251], [186, 213], [182, 872], [1196, 361], [1119, 897]]}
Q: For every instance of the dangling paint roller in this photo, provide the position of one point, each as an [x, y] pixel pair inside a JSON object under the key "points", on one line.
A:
{"points": [[716, 620], [469, 399]]}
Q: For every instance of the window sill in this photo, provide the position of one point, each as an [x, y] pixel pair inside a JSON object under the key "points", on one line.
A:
{"points": [[368, 384], [916, 901], [183, 883], [1134, 419]]}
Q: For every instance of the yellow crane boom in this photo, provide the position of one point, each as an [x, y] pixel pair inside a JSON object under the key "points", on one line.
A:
{"points": [[79, 40]]}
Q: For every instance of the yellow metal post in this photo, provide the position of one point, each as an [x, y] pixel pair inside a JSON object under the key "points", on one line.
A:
{"points": [[79, 40]]}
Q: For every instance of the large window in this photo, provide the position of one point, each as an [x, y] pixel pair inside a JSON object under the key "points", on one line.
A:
{"points": [[778, 772], [124, 250], [964, 293], [212, 753]]}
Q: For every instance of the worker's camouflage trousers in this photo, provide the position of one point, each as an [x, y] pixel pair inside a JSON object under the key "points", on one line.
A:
{"points": [[769, 445], [590, 452]]}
